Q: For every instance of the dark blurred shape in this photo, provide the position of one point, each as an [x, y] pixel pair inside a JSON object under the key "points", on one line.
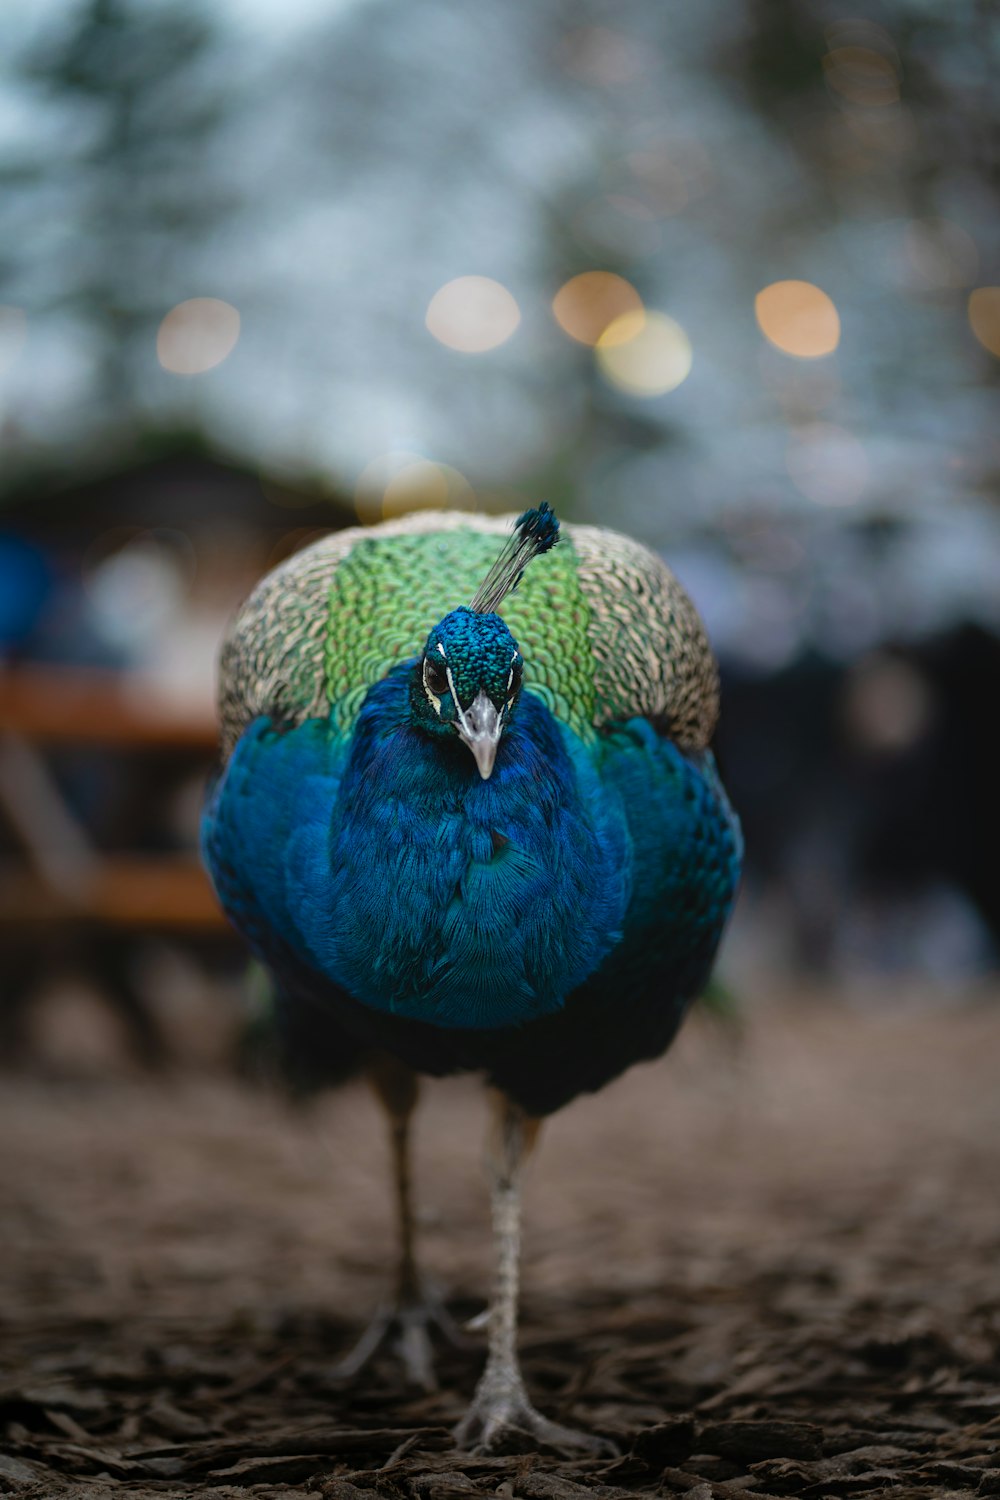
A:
{"points": [[870, 787]]}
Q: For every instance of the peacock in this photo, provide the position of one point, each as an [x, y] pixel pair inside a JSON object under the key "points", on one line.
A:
{"points": [[496, 843]]}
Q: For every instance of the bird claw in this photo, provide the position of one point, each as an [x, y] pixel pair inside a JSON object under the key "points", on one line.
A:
{"points": [[406, 1325], [500, 1408]]}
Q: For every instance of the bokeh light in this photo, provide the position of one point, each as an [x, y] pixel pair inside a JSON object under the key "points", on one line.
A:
{"points": [[644, 353], [137, 588], [798, 318], [400, 481], [861, 75], [827, 464], [472, 314], [887, 704], [984, 317], [585, 305], [197, 335], [13, 333]]}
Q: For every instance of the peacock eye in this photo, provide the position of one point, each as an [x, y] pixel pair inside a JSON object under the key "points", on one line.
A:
{"points": [[435, 678]]}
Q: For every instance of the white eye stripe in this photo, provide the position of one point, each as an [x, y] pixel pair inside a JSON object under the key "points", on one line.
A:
{"points": [[515, 659], [432, 697]]}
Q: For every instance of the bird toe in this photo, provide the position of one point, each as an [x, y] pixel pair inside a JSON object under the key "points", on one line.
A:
{"points": [[406, 1327], [496, 1420]]}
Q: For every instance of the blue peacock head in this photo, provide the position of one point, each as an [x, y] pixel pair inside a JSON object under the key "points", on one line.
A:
{"points": [[468, 678]]}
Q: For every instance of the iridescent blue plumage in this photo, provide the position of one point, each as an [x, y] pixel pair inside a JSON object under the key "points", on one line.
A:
{"points": [[388, 872]]}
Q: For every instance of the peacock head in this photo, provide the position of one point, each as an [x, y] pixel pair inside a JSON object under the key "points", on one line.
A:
{"points": [[468, 677]]}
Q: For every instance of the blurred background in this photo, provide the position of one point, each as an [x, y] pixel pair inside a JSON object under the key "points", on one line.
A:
{"points": [[721, 275]]}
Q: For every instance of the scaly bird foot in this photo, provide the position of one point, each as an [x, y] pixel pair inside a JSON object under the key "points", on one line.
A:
{"points": [[500, 1408], [406, 1325]]}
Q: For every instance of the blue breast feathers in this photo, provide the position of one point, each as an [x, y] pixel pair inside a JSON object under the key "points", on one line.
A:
{"points": [[385, 865], [392, 868]]}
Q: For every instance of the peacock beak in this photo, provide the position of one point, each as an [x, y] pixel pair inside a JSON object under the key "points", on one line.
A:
{"points": [[479, 726]]}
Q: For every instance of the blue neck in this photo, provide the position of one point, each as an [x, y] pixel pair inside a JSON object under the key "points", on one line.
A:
{"points": [[454, 900]]}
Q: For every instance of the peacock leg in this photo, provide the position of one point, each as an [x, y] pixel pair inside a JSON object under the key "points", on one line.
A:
{"points": [[408, 1319], [500, 1405]]}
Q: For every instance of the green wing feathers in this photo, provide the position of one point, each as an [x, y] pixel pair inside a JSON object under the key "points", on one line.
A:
{"points": [[606, 631]]}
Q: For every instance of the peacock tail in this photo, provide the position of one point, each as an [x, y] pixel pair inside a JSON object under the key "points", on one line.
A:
{"points": [[607, 632]]}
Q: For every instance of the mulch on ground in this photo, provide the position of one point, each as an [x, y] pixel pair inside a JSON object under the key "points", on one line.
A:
{"points": [[766, 1268]]}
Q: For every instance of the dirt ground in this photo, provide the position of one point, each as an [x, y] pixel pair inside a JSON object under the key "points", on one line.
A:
{"points": [[770, 1268]]}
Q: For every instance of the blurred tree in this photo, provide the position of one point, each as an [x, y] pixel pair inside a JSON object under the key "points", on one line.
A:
{"points": [[118, 191]]}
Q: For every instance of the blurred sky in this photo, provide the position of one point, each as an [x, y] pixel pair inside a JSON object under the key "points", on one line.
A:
{"points": [[321, 177]]}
